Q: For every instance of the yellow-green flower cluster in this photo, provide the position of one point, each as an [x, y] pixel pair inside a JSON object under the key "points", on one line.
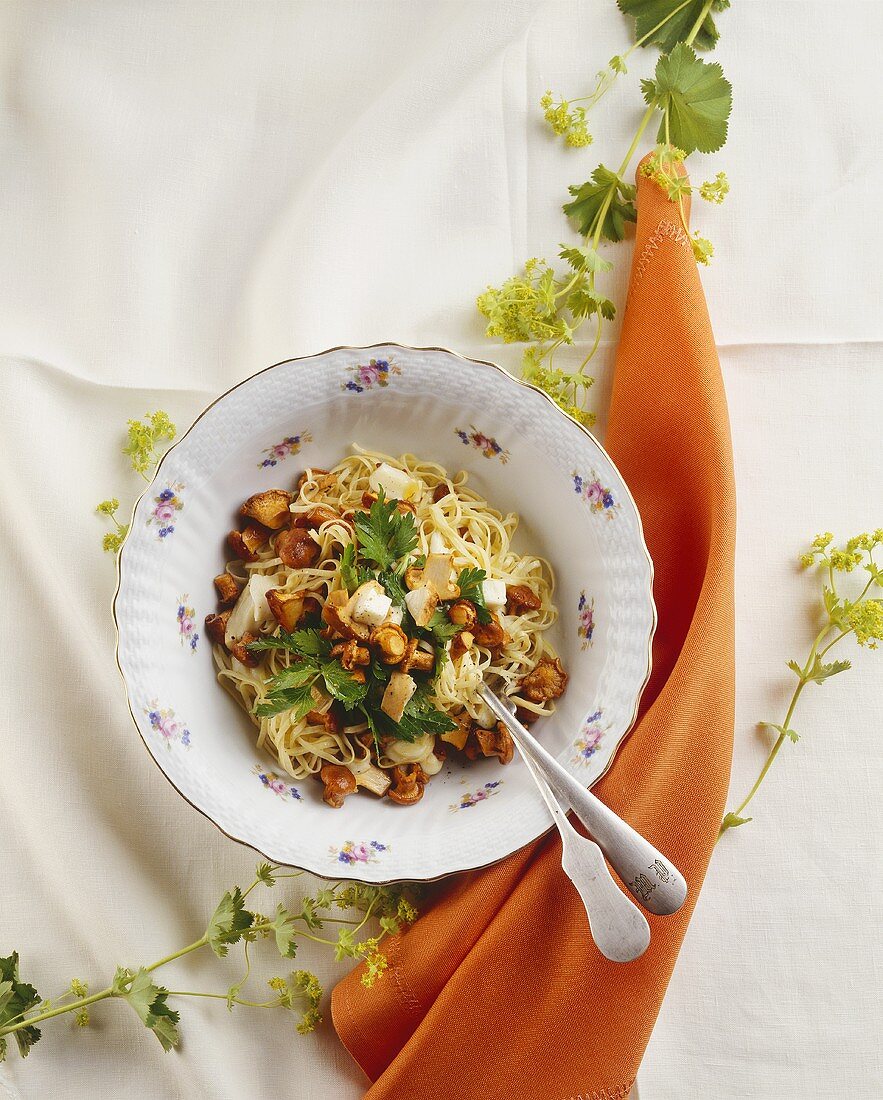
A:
{"points": [[702, 247], [143, 437], [715, 190], [566, 121]]}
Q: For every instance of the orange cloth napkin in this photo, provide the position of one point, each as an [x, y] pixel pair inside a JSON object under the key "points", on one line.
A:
{"points": [[498, 990]]}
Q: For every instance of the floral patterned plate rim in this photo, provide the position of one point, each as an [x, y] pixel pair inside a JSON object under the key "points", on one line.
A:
{"points": [[609, 562]]}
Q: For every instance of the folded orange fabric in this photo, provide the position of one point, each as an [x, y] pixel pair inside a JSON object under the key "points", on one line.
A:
{"points": [[498, 990]]}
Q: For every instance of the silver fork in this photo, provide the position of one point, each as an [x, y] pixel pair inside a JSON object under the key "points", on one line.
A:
{"points": [[652, 879], [618, 927]]}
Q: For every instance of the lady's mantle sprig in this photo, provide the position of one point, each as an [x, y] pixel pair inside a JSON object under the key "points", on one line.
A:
{"points": [[841, 617], [545, 309], [21, 1008], [144, 449]]}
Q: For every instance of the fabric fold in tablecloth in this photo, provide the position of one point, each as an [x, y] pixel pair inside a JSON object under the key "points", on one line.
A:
{"points": [[498, 990]]}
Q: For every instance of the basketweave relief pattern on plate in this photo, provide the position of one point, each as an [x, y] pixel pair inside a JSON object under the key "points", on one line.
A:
{"points": [[422, 407]]}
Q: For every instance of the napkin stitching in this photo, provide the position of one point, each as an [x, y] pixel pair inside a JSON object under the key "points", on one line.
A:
{"points": [[406, 994], [666, 230], [620, 1092]]}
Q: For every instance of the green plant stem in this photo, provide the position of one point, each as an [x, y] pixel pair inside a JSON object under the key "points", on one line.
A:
{"points": [[706, 8], [48, 1015], [601, 87], [798, 691]]}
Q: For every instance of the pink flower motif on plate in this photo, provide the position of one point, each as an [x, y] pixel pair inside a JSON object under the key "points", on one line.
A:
{"points": [[472, 798], [165, 508], [597, 496], [276, 784], [366, 376], [167, 726], [585, 609], [488, 446], [187, 634], [358, 851], [290, 445], [586, 745]]}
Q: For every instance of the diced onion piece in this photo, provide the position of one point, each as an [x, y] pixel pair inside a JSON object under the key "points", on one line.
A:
{"points": [[396, 484], [251, 609], [437, 544], [410, 752], [431, 764], [395, 615], [422, 603]]}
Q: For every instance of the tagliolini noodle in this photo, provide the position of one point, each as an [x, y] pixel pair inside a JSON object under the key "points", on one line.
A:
{"points": [[478, 535]]}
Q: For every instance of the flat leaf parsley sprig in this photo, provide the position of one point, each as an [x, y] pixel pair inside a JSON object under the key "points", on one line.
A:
{"points": [[545, 309], [392, 908], [144, 450], [861, 618]]}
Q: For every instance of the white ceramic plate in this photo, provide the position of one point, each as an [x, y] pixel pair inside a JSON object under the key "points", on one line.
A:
{"points": [[524, 455]]}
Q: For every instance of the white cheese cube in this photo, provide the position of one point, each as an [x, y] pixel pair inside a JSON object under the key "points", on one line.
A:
{"points": [[396, 484], [494, 593], [437, 544], [395, 616], [370, 604], [422, 602]]}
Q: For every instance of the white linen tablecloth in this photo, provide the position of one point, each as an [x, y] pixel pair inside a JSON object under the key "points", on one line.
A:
{"points": [[191, 191]]}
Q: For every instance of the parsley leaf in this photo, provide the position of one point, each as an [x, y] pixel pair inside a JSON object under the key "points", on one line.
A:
{"points": [[305, 643], [441, 628], [348, 574], [469, 583], [385, 535], [16, 998], [149, 1002], [392, 583], [228, 923], [590, 199], [420, 716], [695, 99], [295, 676], [299, 700], [341, 684], [650, 13]]}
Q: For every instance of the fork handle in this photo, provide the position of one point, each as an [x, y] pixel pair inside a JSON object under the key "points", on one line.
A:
{"points": [[653, 880]]}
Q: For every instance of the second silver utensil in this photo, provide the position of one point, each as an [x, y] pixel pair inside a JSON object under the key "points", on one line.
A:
{"points": [[653, 880], [618, 927]]}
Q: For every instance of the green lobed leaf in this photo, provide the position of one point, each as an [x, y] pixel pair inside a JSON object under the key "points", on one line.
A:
{"points": [[733, 821], [792, 735], [822, 670], [228, 922], [590, 198], [694, 96], [285, 931], [18, 998], [149, 1002], [648, 14]]}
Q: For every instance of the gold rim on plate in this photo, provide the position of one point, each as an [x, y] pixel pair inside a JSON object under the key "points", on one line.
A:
{"points": [[372, 347]]}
